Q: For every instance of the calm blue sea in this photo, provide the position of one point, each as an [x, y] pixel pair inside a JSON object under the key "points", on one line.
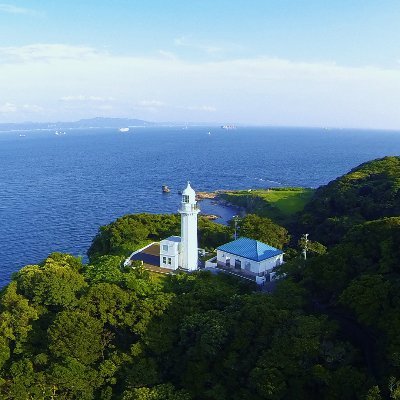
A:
{"points": [[55, 191]]}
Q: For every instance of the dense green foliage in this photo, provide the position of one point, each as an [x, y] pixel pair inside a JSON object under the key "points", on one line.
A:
{"points": [[189, 337], [329, 330], [264, 230], [368, 192], [363, 275], [131, 232]]}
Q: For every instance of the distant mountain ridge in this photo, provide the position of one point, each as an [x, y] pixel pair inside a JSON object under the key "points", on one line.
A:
{"points": [[98, 122]]}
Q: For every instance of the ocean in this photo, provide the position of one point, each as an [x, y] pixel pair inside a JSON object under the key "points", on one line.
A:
{"points": [[56, 190]]}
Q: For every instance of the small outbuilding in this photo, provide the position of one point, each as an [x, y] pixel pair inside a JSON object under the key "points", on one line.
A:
{"points": [[170, 252], [249, 257]]}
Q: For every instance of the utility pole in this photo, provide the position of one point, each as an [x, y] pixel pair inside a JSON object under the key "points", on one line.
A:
{"points": [[235, 219], [305, 237]]}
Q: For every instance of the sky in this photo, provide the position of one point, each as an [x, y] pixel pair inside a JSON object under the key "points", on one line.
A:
{"points": [[323, 63]]}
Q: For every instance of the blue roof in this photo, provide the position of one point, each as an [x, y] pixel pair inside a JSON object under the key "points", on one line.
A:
{"points": [[251, 249]]}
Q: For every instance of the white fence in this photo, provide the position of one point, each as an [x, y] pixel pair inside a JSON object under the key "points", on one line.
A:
{"points": [[128, 261]]}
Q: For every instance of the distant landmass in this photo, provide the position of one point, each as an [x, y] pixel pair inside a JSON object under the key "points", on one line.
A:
{"points": [[98, 122]]}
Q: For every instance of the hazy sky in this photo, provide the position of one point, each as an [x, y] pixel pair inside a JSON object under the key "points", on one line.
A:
{"points": [[273, 62]]}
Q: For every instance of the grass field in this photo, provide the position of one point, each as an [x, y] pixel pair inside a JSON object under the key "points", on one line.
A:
{"points": [[277, 204]]}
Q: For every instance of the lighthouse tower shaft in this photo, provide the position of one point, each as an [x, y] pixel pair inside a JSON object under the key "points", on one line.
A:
{"points": [[189, 243]]}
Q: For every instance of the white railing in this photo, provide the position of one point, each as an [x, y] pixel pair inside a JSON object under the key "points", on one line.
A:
{"points": [[128, 261]]}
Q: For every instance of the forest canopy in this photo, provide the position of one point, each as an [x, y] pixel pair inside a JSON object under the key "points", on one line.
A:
{"points": [[368, 192]]}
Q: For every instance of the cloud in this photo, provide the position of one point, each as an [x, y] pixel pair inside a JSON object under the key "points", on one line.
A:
{"points": [[69, 81], [45, 52], [11, 108], [199, 108], [8, 108], [32, 108], [183, 41], [154, 105], [167, 54], [104, 107], [81, 97], [12, 9], [150, 103]]}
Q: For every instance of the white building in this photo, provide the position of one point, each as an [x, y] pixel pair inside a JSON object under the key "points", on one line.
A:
{"points": [[170, 252], [249, 257], [182, 252]]}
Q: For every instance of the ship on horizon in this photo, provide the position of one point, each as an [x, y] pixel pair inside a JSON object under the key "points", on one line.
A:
{"points": [[228, 127]]}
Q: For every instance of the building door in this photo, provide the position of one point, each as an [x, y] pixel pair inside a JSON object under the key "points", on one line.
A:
{"points": [[228, 262], [238, 264]]}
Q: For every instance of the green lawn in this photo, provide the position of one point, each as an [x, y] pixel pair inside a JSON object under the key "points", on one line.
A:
{"points": [[277, 204], [287, 201]]}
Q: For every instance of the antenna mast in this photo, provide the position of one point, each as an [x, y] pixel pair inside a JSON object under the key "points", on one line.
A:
{"points": [[305, 237]]}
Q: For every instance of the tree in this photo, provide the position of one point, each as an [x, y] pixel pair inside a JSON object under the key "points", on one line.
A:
{"points": [[72, 379], [17, 316], [110, 304], [368, 192], [211, 234], [56, 283], [160, 392], [76, 334], [367, 296], [130, 232], [374, 394], [105, 268], [264, 230]]}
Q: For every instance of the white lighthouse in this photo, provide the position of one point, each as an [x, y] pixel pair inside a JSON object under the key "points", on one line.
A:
{"points": [[189, 245], [181, 252]]}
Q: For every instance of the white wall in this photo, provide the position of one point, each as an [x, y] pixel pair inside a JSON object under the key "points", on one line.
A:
{"points": [[269, 264], [189, 240], [169, 258], [254, 268], [211, 263]]}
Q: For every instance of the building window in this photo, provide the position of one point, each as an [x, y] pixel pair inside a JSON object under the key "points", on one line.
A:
{"points": [[185, 199], [238, 264], [169, 261], [164, 260], [247, 266], [165, 247], [228, 262]]}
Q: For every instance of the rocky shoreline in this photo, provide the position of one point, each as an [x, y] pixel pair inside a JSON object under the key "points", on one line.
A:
{"points": [[211, 217], [206, 195], [216, 199]]}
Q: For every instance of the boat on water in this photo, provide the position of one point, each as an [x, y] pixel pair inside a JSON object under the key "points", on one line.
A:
{"points": [[58, 133], [228, 127], [124, 129], [165, 189]]}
